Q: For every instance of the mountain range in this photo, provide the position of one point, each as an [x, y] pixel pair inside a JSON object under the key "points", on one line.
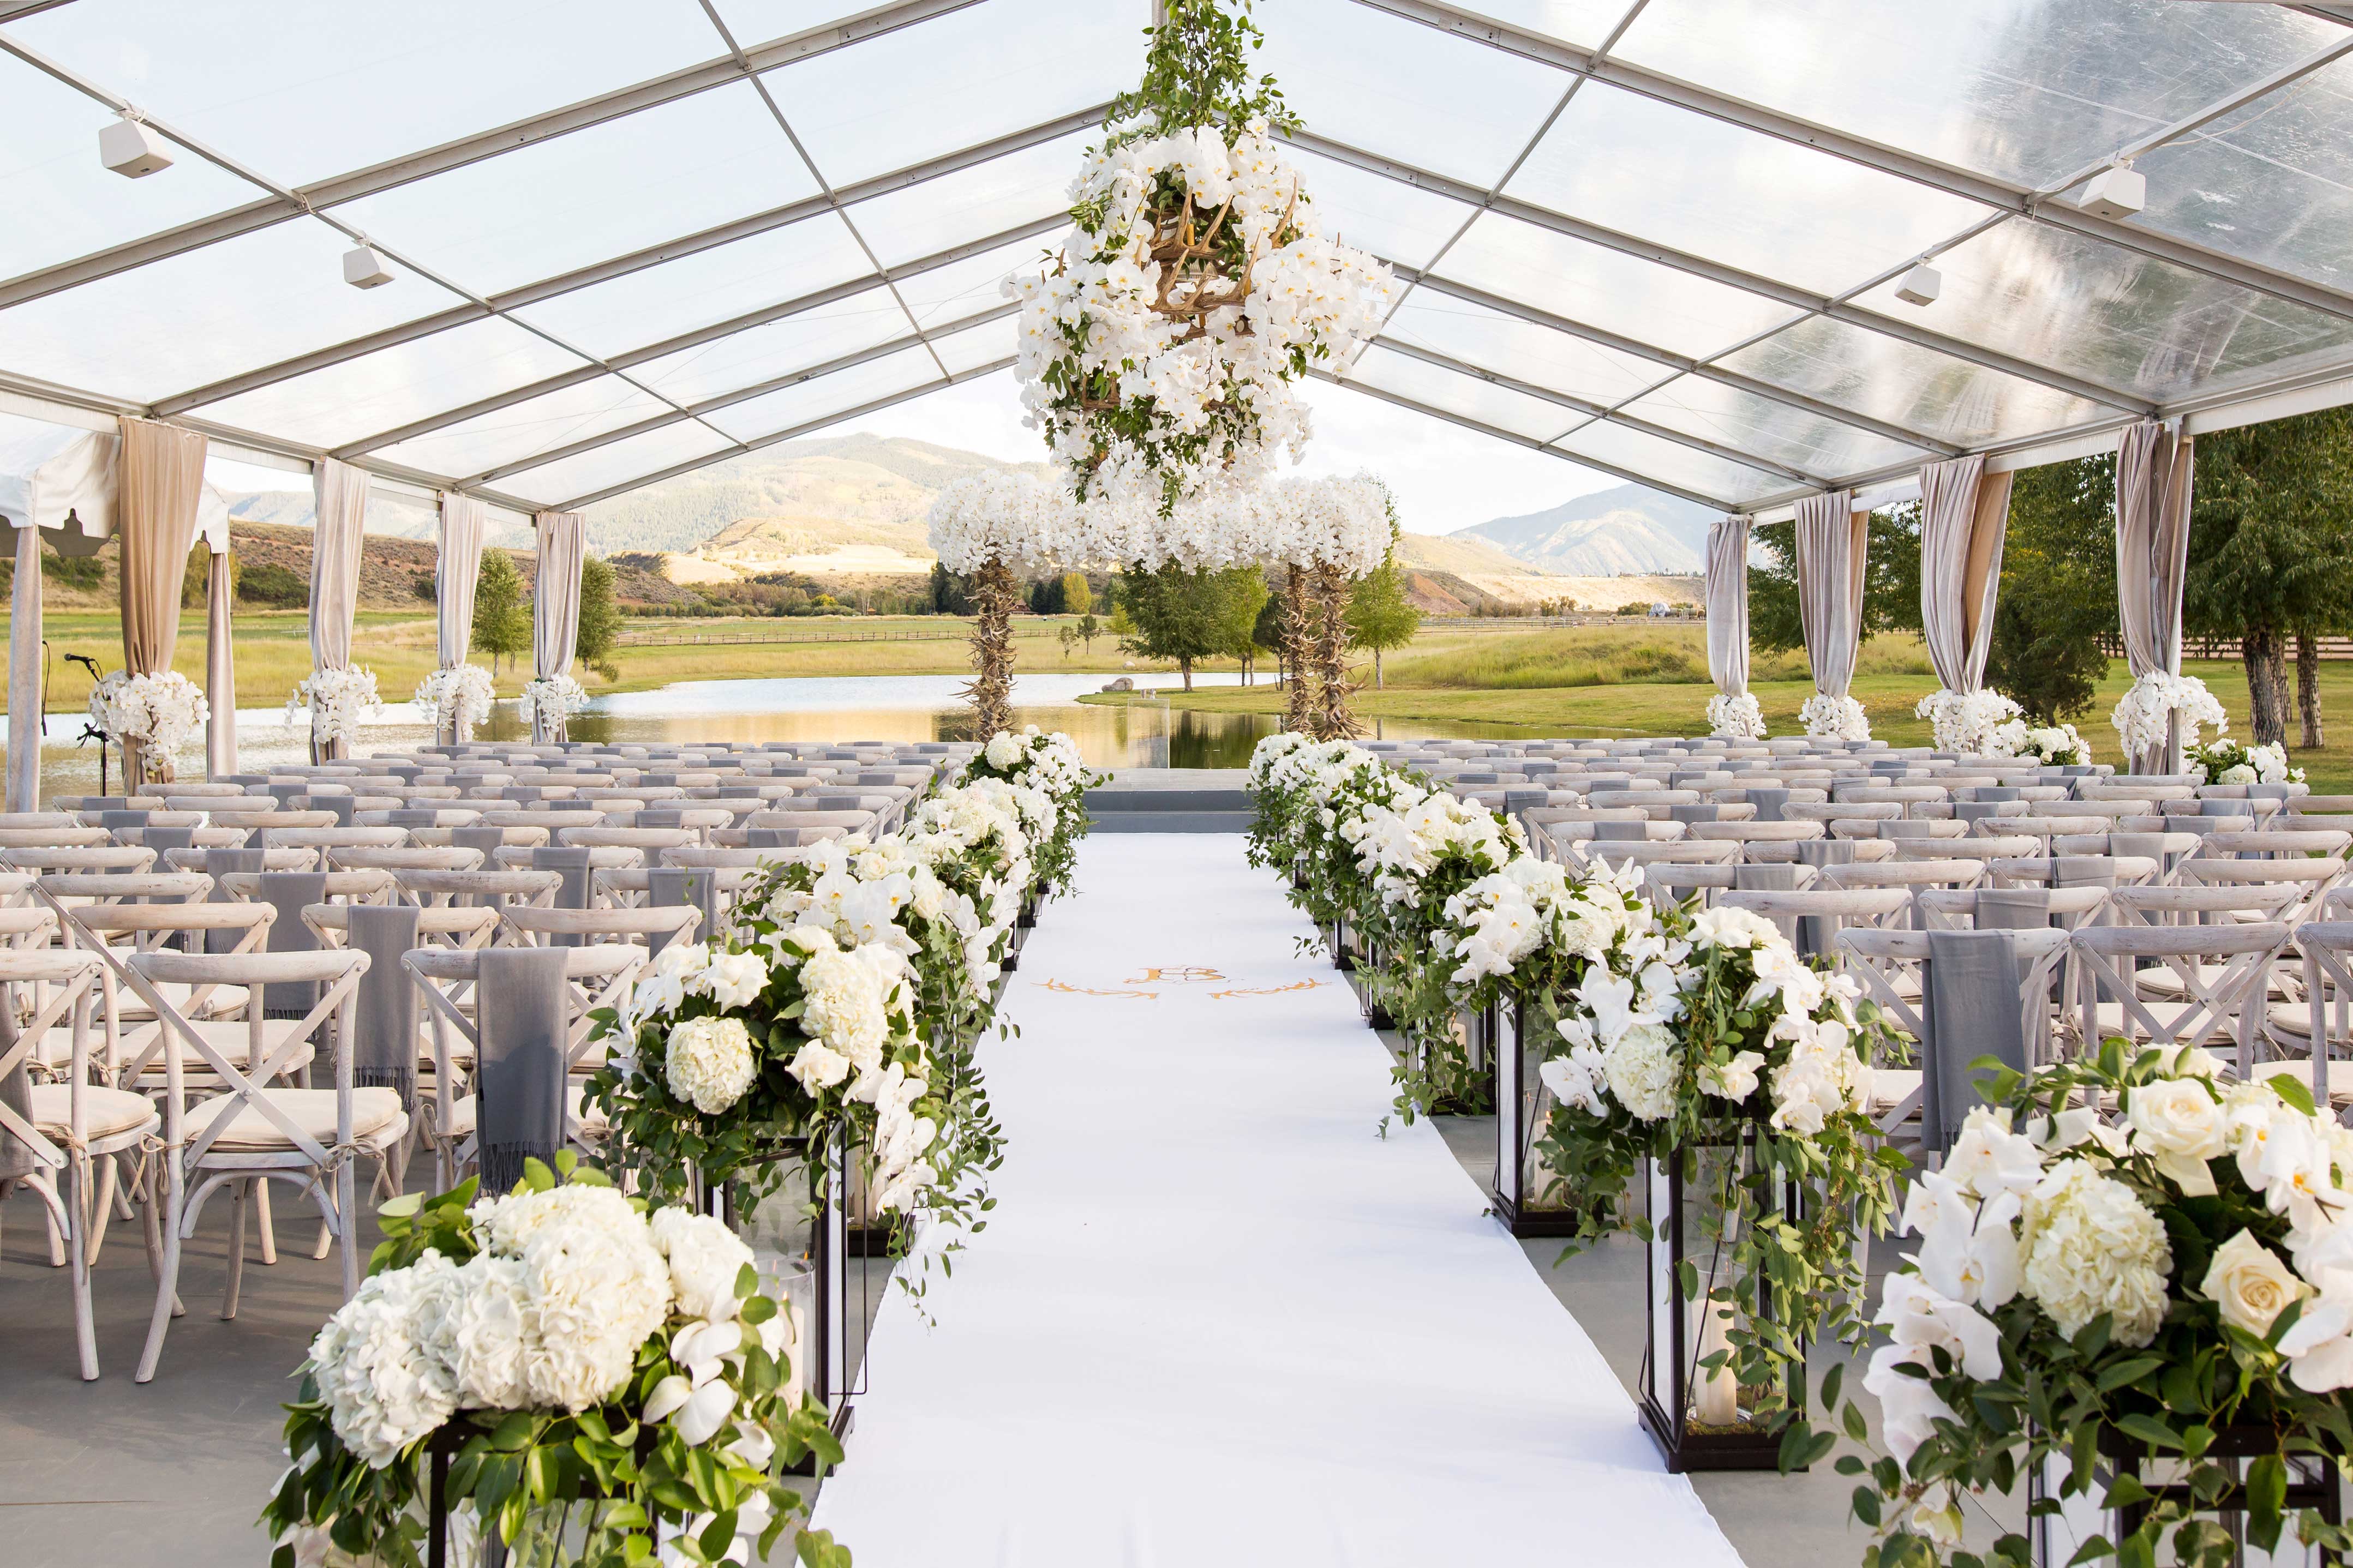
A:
{"points": [[1626, 530]]}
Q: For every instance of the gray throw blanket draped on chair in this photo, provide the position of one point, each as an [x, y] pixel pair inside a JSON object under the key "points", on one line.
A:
{"points": [[410, 817], [1818, 853], [661, 819], [1703, 811], [1619, 830], [17, 1092], [384, 1047], [671, 887], [573, 866], [116, 821], [772, 837], [1970, 1007], [1768, 803], [291, 892], [521, 1013], [219, 863], [486, 839]]}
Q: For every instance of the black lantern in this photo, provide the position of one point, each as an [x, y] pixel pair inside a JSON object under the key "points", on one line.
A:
{"points": [[2312, 1483], [1702, 1420], [776, 1228], [1529, 1200]]}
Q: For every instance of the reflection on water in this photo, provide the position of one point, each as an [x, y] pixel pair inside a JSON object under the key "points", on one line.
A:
{"points": [[1145, 733]]}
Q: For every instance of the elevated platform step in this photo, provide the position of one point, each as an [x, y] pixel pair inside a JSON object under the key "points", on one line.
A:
{"points": [[1118, 799], [1169, 821]]}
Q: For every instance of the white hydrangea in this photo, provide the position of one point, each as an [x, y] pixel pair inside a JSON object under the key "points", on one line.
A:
{"points": [[846, 997], [1644, 1067], [710, 1063], [2052, 745], [382, 1387], [483, 1334], [2090, 1246], [596, 1292]]}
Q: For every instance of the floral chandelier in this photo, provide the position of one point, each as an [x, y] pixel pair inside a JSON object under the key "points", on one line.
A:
{"points": [[1158, 348]]}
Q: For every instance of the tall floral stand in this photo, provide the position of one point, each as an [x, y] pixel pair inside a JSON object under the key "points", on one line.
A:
{"points": [[1698, 1418], [2058, 1532], [770, 1231]]}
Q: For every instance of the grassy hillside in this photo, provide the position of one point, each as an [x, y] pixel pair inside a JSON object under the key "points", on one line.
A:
{"points": [[1625, 530]]}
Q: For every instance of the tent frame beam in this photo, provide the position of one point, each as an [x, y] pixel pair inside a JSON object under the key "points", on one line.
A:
{"points": [[2036, 204]]}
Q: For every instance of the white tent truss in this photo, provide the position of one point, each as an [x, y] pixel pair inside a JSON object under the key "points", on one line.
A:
{"points": [[1628, 234]]}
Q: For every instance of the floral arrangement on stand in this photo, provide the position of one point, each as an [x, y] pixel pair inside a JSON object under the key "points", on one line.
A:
{"points": [[337, 700], [1737, 714], [1331, 532], [1834, 718], [2172, 1282], [1195, 284], [2222, 761], [2142, 715], [549, 701], [151, 716], [994, 528], [1050, 765], [610, 1386], [2052, 745], [1970, 723], [458, 697]]}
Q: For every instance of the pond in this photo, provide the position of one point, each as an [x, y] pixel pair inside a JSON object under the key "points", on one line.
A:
{"points": [[1144, 732]]}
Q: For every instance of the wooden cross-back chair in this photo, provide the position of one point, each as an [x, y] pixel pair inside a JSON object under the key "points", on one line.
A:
{"points": [[530, 926], [2321, 1024], [595, 977], [2220, 973], [489, 887]]}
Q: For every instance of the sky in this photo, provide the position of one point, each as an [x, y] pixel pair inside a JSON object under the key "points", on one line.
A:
{"points": [[1445, 478]]}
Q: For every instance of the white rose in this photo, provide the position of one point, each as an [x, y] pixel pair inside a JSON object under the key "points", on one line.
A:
{"points": [[818, 1068], [2178, 1122], [705, 1260], [2250, 1284], [736, 979]]}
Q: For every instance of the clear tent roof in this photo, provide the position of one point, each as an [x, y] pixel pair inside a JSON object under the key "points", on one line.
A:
{"points": [[1658, 237]]}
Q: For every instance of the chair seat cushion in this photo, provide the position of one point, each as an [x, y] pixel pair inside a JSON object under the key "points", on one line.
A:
{"points": [[377, 1120], [2340, 1076], [1891, 1087], [588, 1119], [106, 1112], [220, 1002]]}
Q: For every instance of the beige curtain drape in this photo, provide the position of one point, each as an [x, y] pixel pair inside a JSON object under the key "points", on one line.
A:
{"points": [[1728, 605], [556, 601], [1964, 518], [454, 575], [341, 493], [2154, 469], [161, 484], [1832, 538], [25, 673], [220, 670]]}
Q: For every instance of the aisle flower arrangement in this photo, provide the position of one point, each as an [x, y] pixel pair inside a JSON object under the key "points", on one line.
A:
{"points": [[155, 713], [2052, 745], [549, 701], [1738, 714], [2173, 1284], [2223, 760], [2142, 713], [336, 700], [459, 696], [608, 1382], [1158, 350], [1834, 718], [1970, 723], [1050, 765]]}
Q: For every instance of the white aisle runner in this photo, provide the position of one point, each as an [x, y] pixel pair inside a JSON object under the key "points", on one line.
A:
{"points": [[1216, 1322]]}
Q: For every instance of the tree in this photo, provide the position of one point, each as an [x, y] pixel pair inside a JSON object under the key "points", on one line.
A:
{"points": [[949, 592], [1077, 595], [502, 627], [1891, 580], [2271, 524], [1379, 615], [1069, 634], [600, 619], [2057, 601], [196, 583], [1266, 633], [1187, 616], [1090, 629]]}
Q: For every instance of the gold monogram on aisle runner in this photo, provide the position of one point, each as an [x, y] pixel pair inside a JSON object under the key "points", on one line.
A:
{"points": [[1177, 974]]}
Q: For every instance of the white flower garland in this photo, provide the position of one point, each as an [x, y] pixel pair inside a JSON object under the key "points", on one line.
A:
{"points": [[2140, 716], [1741, 715], [552, 699], [461, 695], [1834, 718], [1967, 722], [1151, 375], [337, 698], [156, 713], [1017, 519]]}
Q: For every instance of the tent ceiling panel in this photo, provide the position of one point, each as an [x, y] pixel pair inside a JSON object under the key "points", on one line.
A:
{"points": [[304, 90], [986, 199], [1606, 289], [1388, 220], [976, 283], [2107, 314], [552, 484], [1905, 384], [1500, 407], [2027, 93], [704, 288], [1393, 88], [809, 400], [60, 204], [1731, 194], [203, 315], [966, 351], [958, 78], [754, 22], [810, 338], [525, 430], [1639, 452], [395, 385], [1775, 431], [2272, 183], [1584, 23], [563, 203], [1521, 349]]}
